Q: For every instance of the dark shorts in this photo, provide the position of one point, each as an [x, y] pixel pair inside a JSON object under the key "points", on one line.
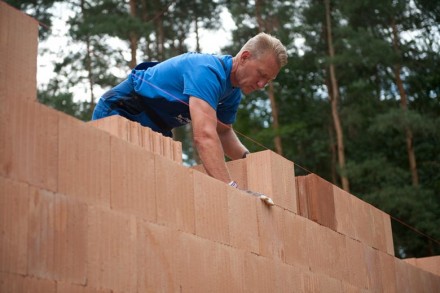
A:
{"points": [[104, 109]]}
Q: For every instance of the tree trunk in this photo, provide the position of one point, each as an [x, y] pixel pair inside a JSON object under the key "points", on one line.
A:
{"points": [[332, 144], [89, 64], [263, 27], [133, 36], [275, 124], [333, 150], [144, 16], [196, 28], [160, 35], [404, 105], [334, 98]]}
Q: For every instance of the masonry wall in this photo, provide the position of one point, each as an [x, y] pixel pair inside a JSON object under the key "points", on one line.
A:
{"points": [[107, 206]]}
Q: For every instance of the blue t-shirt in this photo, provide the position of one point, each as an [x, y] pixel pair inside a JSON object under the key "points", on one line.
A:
{"points": [[167, 86]]}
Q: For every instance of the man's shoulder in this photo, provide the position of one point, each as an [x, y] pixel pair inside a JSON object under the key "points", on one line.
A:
{"points": [[202, 58]]}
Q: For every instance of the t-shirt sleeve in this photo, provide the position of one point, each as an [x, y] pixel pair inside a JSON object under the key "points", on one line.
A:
{"points": [[204, 82]]}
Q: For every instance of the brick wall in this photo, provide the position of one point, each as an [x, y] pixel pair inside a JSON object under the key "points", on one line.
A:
{"points": [[107, 206]]}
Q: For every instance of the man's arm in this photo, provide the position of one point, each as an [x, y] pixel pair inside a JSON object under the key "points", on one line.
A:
{"points": [[207, 140], [232, 146]]}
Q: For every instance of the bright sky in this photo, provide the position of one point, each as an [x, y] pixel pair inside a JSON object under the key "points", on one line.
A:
{"points": [[55, 47]]}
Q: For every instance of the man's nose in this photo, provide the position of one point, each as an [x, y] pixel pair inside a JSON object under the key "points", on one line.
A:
{"points": [[261, 84]]}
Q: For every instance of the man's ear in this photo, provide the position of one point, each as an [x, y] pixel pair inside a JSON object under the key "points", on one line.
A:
{"points": [[245, 55]]}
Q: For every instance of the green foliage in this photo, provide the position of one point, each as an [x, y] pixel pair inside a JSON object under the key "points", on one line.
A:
{"points": [[62, 102], [106, 18]]}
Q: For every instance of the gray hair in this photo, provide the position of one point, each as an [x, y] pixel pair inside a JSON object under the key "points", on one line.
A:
{"points": [[264, 43]]}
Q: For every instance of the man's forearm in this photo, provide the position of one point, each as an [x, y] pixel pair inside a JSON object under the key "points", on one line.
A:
{"points": [[207, 140], [211, 153], [232, 146]]}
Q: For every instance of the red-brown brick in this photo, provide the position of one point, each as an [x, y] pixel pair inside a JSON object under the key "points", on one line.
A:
{"points": [[211, 208], [133, 184], [274, 176], [14, 211], [175, 195], [84, 161], [111, 246], [57, 239], [243, 223]]}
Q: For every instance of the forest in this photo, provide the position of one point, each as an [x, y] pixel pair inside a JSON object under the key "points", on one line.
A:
{"points": [[357, 104]]}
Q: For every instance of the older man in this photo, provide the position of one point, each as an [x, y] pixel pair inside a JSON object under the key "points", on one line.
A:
{"points": [[199, 88]]}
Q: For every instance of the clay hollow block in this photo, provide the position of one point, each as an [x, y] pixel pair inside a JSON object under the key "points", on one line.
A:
{"points": [[301, 196], [111, 250], [271, 231], [313, 282], [142, 136], [329, 259], [84, 161], [388, 272], [133, 179], [159, 254], [379, 232], [371, 226], [267, 173], [317, 200], [272, 175], [18, 50], [57, 238], [260, 274], [237, 170], [362, 221], [206, 266], [429, 264], [170, 261], [174, 195], [14, 211], [297, 240], [243, 223], [211, 208], [75, 288], [18, 283], [115, 125], [374, 269], [343, 212], [337, 209], [29, 143]]}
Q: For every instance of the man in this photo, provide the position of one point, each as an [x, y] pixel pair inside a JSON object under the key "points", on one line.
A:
{"points": [[199, 88]]}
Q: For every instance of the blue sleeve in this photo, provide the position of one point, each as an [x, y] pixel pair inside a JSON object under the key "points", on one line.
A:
{"points": [[206, 82]]}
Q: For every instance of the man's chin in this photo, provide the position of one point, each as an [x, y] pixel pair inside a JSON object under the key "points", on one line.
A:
{"points": [[247, 91]]}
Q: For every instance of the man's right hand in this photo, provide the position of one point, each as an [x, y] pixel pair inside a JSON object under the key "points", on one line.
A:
{"points": [[267, 200]]}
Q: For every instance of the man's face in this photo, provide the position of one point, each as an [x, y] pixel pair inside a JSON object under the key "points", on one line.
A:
{"points": [[253, 74]]}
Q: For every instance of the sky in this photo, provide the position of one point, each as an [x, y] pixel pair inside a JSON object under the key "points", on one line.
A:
{"points": [[53, 49]]}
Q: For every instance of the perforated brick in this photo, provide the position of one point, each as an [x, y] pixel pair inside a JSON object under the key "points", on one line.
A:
{"points": [[14, 211], [29, 143], [57, 239], [84, 161], [133, 185], [111, 247], [274, 176], [211, 208], [175, 195]]}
